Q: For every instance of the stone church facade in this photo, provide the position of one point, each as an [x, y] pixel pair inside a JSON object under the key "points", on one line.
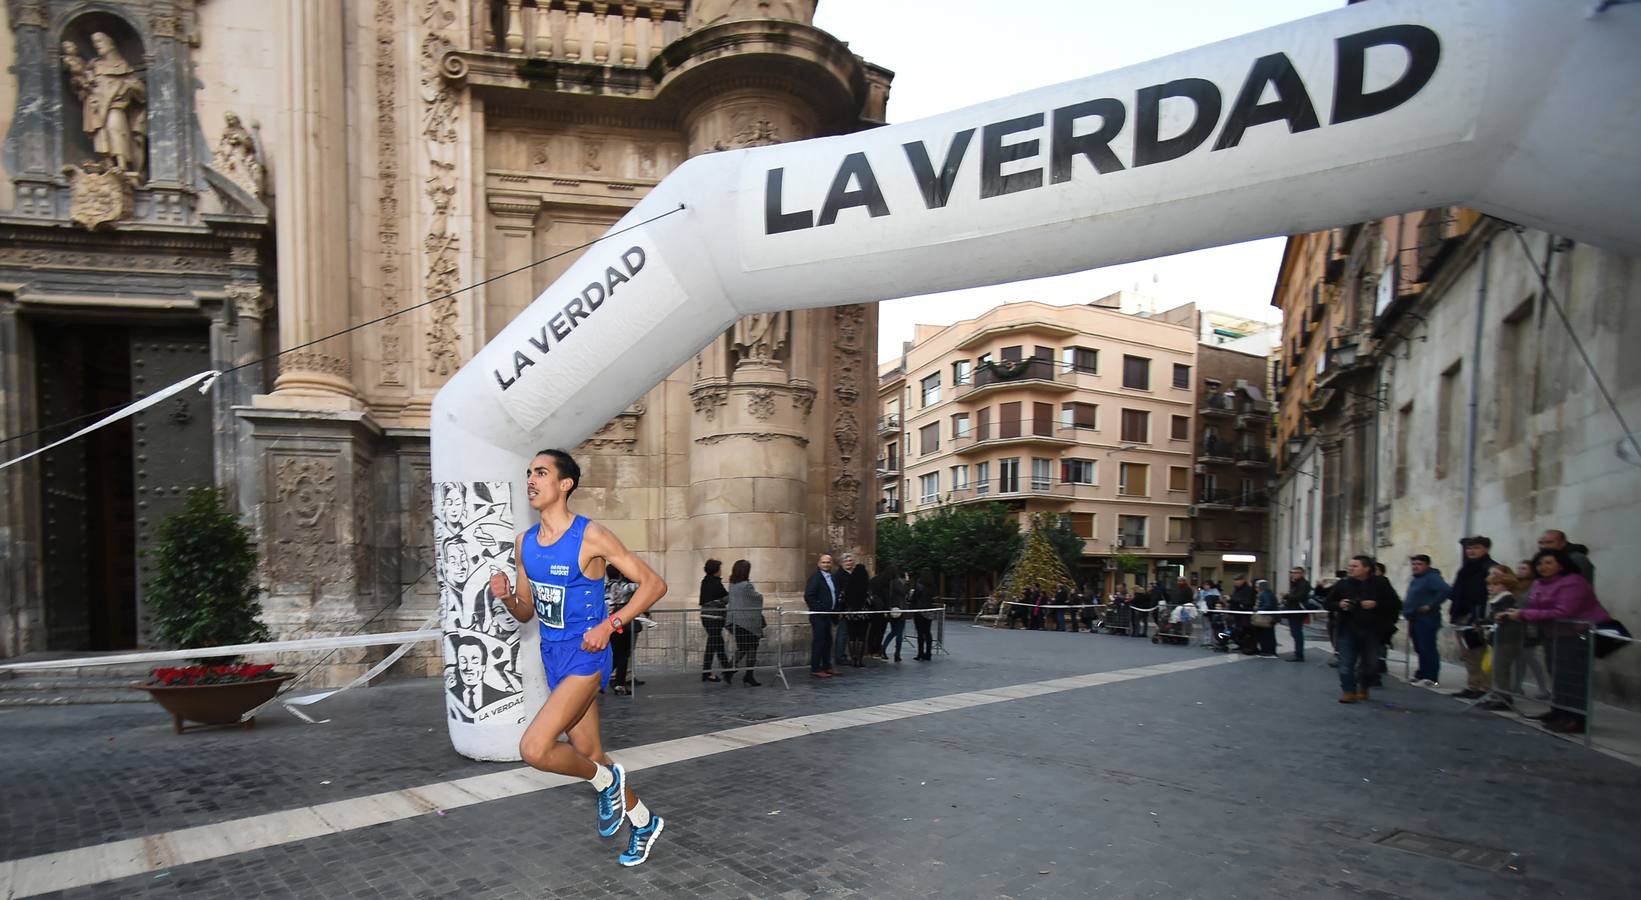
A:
{"points": [[198, 184]]}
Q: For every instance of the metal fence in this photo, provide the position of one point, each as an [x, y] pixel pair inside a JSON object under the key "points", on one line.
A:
{"points": [[676, 642]]}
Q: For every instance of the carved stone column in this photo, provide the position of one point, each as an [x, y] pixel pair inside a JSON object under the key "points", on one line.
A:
{"points": [[312, 185], [752, 397]]}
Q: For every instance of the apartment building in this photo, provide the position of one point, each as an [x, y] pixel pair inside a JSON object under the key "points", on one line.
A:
{"points": [[1082, 410], [1233, 465]]}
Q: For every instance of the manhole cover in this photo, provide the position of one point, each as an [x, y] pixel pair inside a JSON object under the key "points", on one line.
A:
{"points": [[1454, 851]]}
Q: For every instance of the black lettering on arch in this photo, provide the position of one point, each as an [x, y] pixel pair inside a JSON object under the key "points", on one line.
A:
{"points": [[854, 167], [993, 183], [1292, 103], [1095, 146], [1147, 115], [937, 190], [1424, 51]]}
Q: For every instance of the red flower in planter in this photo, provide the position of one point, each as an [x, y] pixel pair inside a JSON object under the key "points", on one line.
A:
{"points": [[189, 675]]}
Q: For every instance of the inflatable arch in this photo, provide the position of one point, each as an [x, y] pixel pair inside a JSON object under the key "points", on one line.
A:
{"points": [[1524, 109]]}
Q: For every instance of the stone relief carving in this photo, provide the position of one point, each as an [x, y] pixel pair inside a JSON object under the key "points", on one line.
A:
{"points": [[126, 262], [647, 165], [250, 301], [759, 338], [314, 361], [762, 437], [98, 195], [363, 550], [239, 156], [761, 404], [392, 366], [803, 396], [848, 328], [710, 12], [114, 100], [590, 151], [541, 156], [708, 400], [307, 494], [751, 132], [620, 433], [441, 245], [387, 155]]}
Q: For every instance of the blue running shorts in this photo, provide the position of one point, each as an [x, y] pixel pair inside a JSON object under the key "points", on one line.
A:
{"points": [[562, 659]]}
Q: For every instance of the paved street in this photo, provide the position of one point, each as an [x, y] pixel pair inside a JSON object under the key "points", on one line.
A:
{"points": [[1176, 773]]}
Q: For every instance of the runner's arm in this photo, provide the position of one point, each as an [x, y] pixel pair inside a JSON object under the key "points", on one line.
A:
{"points": [[600, 541], [517, 600]]}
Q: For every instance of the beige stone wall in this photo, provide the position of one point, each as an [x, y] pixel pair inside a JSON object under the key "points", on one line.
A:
{"points": [[8, 101]]}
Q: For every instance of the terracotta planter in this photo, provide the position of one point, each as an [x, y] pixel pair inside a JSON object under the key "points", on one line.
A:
{"points": [[215, 704]]}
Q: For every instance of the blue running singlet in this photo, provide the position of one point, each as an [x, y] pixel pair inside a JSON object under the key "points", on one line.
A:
{"points": [[567, 602]]}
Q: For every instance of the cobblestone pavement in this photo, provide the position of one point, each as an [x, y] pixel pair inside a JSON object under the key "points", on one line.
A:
{"points": [[1242, 780]]}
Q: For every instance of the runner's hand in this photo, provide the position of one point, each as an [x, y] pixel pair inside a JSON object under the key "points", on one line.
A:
{"points": [[596, 638], [499, 586]]}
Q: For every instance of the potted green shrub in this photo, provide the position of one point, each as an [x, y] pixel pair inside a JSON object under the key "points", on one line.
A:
{"points": [[204, 594]]}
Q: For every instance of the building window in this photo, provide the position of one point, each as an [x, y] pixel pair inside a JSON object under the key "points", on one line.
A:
{"points": [[1133, 480], [1182, 376], [960, 477], [928, 487], [962, 372], [1136, 373], [983, 424], [891, 457], [1136, 426], [1042, 419], [931, 389], [1042, 473], [1077, 471], [1448, 432], [1179, 478], [982, 478], [1008, 475], [1247, 495], [1404, 431], [1080, 415], [928, 439], [1131, 531], [1179, 530], [1180, 429], [1083, 525], [1041, 352], [983, 359], [1008, 420], [1081, 359], [1011, 354], [960, 426], [1514, 375]]}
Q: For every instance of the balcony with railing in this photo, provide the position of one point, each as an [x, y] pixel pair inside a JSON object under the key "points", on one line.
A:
{"points": [[1023, 489], [1039, 432], [603, 34], [1217, 403], [888, 466], [1252, 501], [1214, 450], [1253, 458], [889, 507], [889, 425], [1035, 372], [1216, 498]]}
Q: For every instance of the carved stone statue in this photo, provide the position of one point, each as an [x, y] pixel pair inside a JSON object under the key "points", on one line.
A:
{"points": [[239, 156], [710, 12], [759, 338], [114, 100]]}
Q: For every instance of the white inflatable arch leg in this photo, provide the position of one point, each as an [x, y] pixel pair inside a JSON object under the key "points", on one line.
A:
{"points": [[1526, 109]]}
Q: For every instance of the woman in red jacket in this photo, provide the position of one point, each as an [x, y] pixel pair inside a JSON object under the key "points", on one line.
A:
{"points": [[1564, 605]]}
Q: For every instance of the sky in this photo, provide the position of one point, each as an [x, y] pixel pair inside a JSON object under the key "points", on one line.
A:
{"points": [[947, 54]]}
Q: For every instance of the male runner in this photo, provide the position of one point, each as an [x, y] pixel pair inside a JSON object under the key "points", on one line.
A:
{"points": [[562, 559]]}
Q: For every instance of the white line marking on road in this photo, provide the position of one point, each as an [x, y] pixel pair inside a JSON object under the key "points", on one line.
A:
{"points": [[82, 866]]}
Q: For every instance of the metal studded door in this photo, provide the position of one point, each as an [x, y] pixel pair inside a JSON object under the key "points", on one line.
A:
{"points": [[171, 441], [60, 377]]}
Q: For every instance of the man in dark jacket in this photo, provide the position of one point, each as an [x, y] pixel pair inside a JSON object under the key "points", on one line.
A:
{"points": [[1467, 610], [1298, 597], [824, 594], [1556, 539], [1425, 594], [1360, 602], [857, 598]]}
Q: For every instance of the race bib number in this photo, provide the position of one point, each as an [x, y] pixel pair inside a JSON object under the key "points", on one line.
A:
{"points": [[549, 603]]}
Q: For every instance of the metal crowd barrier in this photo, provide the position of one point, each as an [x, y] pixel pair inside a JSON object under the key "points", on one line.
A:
{"points": [[675, 642]]}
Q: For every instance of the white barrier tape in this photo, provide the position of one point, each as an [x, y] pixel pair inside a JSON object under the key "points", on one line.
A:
{"points": [[1272, 612], [209, 377], [854, 612], [291, 703], [324, 643], [1609, 633]]}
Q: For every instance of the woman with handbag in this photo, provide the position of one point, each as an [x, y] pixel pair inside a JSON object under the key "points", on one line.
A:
{"points": [[745, 614]]}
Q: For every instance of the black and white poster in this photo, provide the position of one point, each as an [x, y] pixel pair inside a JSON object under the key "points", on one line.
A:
{"points": [[473, 535]]}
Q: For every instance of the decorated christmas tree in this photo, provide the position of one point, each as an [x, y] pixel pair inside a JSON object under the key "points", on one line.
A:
{"points": [[1037, 566]]}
